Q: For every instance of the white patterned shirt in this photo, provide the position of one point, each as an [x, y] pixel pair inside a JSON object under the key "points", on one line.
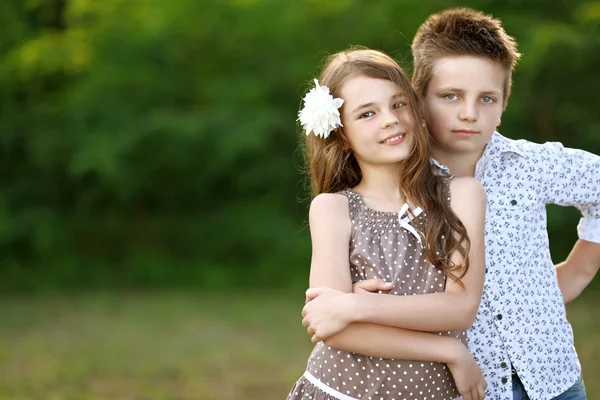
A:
{"points": [[522, 320]]}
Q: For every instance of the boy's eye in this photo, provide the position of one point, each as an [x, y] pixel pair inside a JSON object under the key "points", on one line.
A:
{"points": [[451, 96], [398, 106], [488, 99], [367, 114]]}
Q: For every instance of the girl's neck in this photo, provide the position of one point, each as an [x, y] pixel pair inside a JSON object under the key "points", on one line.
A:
{"points": [[381, 186]]}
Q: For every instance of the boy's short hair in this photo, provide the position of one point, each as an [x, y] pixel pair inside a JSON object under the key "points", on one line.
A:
{"points": [[462, 32]]}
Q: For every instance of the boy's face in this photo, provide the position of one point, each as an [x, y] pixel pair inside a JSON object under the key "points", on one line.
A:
{"points": [[463, 103]]}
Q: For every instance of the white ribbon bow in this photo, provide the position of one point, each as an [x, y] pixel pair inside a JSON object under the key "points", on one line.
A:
{"points": [[405, 220]]}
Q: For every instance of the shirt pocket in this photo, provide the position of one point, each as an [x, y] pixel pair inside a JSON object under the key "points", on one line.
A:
{"points": [[513, 216]]}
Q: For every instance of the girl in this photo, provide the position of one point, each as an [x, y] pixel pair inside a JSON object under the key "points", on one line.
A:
{"points": [[381, 212]]}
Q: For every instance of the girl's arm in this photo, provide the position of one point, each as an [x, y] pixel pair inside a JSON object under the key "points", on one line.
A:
{"points": [[454, 309], [330, 234], [396, 343], [330, 228], [401, 344]]}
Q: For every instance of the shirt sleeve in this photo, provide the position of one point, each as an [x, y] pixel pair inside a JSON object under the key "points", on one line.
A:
{"points": [[571, 177]]}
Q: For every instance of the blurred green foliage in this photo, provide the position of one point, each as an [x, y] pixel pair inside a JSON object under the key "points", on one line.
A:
{"points": [[154, 142]]}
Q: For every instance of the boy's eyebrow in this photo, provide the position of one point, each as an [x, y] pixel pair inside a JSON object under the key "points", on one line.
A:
{"points": [[397, 95], [452, 89]]}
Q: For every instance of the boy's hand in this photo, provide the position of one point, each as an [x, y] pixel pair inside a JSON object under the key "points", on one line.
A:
{"points": [[467, 375], [371, 285], [326, 313]]}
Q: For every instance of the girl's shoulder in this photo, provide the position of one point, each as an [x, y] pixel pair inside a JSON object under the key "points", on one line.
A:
{"points": [[465, 184], [329, 213], [466, 193], [330, 200], [330, 205]]}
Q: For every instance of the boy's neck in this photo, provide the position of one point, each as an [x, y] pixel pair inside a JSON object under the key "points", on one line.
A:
{"points": [[460, 164]]}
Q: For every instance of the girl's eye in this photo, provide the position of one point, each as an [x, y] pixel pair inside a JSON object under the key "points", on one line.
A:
{"points": [[488, 99], [451, 96], [367, 114], [398, 106]]}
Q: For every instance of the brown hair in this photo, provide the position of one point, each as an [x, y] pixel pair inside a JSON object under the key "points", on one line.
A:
{"points": [[460, 32], [331, 169]]}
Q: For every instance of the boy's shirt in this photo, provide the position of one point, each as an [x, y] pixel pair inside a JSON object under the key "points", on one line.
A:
{"points": [[522, 321]]}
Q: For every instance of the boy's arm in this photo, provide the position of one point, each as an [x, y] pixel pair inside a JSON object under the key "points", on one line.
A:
{"points": [[578, 270], [454, 309], [572, 178]]}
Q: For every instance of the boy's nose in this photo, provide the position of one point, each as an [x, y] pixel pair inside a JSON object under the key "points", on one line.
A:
{"points": [[468, 113]]}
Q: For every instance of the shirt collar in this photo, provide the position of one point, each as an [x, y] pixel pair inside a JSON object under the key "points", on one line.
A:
{"points": [[499, 144], [445, 170]]}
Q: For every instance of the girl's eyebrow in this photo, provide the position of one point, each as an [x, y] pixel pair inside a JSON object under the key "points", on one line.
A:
{"points": [[366, 105]]}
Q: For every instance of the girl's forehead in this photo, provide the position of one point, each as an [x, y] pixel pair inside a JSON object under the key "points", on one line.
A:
{"points": [[363, 88]]}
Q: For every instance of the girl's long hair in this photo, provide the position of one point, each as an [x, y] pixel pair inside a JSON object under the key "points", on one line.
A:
{"points": [[331, 168]]}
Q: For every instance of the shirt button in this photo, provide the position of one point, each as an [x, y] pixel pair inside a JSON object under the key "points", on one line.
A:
{"points": [[504, 380], [513, 202], [503, 365], [499, 317]]}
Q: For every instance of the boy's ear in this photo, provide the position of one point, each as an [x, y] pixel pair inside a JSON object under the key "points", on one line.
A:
{"points": [[499, 122]]}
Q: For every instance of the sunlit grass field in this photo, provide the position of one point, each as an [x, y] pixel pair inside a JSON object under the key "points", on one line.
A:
{"points": [[179, 346]]}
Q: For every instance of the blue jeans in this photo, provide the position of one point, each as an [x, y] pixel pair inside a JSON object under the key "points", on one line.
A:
{"points": [[575, 392]]}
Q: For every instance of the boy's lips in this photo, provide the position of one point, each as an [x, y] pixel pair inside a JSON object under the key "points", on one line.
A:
{"points": [[465, 132]]}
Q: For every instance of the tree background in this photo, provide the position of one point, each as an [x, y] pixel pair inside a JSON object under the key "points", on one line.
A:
{"points": [[153, 143]]}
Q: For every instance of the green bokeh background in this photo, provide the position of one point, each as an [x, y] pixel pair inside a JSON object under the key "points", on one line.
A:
{"points": [[153, 232], [153, 143]]}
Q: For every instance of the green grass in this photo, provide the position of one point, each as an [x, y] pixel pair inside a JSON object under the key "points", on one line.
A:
{"points": [[178, 346]]}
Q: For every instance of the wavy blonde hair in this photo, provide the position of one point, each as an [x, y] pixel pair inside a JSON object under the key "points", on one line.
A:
{"points": [[331, 168], [462, 32]]}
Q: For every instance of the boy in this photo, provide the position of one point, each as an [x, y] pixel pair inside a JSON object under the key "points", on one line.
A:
{"points": [[463, 61]]}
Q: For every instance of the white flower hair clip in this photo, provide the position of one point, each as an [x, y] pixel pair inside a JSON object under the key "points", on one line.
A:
{"points": [[320, 113]]}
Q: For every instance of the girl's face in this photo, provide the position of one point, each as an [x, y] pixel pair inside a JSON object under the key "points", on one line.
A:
{"points": [[377, 121]]}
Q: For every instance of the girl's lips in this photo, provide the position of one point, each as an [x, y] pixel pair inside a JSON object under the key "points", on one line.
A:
{"points": [[394, 139]]}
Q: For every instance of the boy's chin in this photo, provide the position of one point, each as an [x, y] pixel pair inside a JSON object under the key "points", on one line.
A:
{"points": [[463, 147]]}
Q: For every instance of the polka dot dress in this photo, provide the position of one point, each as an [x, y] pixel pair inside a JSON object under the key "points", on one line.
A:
{"points": [[380, 248]]}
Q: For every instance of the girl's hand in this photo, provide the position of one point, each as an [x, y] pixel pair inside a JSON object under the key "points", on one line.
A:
{"points": [[326, 313], [467, 375], [366, 286], [372, 286]]}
